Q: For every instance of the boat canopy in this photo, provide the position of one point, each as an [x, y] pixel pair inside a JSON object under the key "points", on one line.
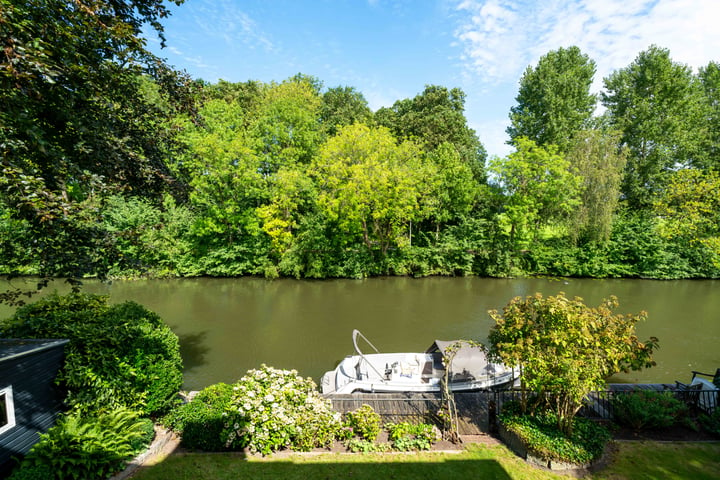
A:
{"points": [[470, 362]]}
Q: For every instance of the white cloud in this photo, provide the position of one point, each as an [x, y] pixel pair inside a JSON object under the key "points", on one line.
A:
{"points": [[223, 19], [500, 38]]}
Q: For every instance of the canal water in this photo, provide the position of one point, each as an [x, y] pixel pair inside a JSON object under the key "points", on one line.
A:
{"points": [[227, 326]]}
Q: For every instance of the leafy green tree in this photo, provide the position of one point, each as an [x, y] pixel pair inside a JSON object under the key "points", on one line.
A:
{"points": [[566, 349], [292, 195], [343, 106], [369, 185], [455, 189], [287, 128], [227, 186], [656, 104], [149, 239], [434, 117], [76, 117], [690, 209], [539, 188], [710, 80], [247, 95], [554, 101], [597, 157]]}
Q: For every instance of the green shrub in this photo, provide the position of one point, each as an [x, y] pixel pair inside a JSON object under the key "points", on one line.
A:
{"points": [[541, 435], [365, 423], [406, 436], [273, 409], [201, 421], [147, 430], [32, 472], [87, 448], [711, 422], [118, 356], [644, 409]]}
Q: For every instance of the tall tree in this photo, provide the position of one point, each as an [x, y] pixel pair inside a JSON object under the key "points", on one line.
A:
{"points": [[434, 117], [287, 128], [690, 208], [343, 106], [369, 185], [554, 101], [77, 116], [598, 159], [656, 104], [710, 80], [225, 174], [539, 188]]}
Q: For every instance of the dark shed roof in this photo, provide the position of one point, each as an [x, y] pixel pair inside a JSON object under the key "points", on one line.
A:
{"points": [[11, 348]]}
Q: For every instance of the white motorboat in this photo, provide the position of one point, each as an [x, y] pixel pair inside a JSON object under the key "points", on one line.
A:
{"points": [[378, 372]]}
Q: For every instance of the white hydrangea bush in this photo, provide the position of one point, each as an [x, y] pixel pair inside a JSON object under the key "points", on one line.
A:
{"points": [[274, 409]]}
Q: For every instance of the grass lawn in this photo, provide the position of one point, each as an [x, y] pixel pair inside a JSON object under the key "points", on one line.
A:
{"points": [[633, 460]]}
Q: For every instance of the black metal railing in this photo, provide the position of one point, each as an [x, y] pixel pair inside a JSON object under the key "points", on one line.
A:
{"points": [[477, 410]]}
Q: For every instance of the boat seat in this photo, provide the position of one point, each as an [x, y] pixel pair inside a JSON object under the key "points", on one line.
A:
{"points": [[715, 378], [700, 392]]}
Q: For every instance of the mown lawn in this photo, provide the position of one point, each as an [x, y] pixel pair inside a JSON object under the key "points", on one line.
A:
{"points": [[632, 460]]}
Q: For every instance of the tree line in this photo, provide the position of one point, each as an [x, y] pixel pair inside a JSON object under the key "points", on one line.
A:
{"points": [[116, 164]]}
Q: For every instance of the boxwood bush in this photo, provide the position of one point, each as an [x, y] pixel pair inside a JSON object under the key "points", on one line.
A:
{"points": [[201, 421], [118, 356], [645, 409]]}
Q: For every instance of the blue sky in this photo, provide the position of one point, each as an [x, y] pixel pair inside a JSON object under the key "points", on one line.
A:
{"points": [[391, 49]]}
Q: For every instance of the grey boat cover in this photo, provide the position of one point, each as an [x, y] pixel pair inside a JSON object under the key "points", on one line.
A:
{"points": [[469, 363]]}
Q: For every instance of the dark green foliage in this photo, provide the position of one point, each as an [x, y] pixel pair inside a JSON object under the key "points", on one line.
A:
{"points": [[148, 239], [32, 472], [642, 409], [87, 448], [711, 422], [436, 116], [343, 106], [554, 101], [147, 435], [79, 118], [118, 356], [541, 435], [202, 420], [656, 104]]}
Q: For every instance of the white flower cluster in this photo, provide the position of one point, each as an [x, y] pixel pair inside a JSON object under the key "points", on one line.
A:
{"points": [[274, 409]]}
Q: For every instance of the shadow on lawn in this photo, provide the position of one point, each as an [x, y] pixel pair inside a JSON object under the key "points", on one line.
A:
{"points": [[229, 466]]}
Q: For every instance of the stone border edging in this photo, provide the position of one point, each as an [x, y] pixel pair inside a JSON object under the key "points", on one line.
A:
{"points": [[165, 441]]}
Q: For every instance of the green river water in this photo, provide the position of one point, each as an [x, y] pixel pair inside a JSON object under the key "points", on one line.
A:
{"points": [[227, 326]]}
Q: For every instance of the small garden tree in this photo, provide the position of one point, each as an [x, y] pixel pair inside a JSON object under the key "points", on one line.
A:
{"points": [[567, 349]]}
